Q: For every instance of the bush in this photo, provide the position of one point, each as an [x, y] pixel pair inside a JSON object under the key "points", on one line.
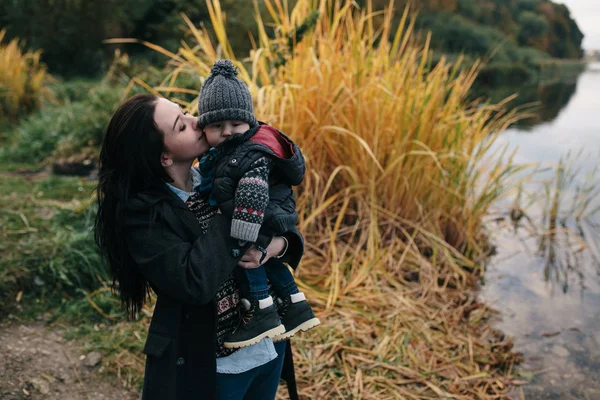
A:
{"points": [[529, 56], [456, 34], [533, 26], [526, 5], [70, 126], [73, 90], [23, 80], [467, 8]]}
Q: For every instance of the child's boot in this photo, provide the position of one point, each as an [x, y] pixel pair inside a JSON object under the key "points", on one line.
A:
{"points": [[296, 315], [255, 324]]}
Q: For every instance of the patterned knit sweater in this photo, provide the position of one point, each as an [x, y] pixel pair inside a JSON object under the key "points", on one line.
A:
{"points": [[250, 202]]}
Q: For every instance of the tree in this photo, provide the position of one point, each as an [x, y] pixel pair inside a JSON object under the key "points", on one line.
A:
{"points": [[467, 8], [70, 32], [533, 26], [526, 5]]}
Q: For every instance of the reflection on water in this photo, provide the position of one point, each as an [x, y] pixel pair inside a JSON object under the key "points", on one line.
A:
{"points": [[548, 291], [550, 100], [545, 277]]}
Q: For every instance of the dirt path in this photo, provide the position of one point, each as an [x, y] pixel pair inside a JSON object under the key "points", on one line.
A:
{"points": [[37, 363]]}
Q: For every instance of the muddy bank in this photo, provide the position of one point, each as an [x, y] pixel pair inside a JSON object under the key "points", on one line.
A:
{"points": [[38, 363]]}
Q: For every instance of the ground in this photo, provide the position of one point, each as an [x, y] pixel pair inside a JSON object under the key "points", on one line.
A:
{"points": [[36, 362]]}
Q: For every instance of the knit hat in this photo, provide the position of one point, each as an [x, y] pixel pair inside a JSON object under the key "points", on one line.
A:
{"points": [[224, 96]]}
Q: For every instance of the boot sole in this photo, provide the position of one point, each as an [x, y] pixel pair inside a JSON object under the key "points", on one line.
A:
{"points": [[271, 333], [306, 325]]}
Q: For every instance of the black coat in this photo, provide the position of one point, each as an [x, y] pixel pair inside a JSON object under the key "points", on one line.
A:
{"points": [[185, 269], [235, 158]]}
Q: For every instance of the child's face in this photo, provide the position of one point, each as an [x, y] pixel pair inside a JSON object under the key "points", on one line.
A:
{"points": [[217, 132]]}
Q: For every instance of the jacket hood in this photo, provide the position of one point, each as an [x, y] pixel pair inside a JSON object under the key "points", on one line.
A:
{"points": [[286, 155]]}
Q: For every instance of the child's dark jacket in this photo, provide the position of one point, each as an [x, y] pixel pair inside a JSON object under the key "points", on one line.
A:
{"points": [[240, 154]]}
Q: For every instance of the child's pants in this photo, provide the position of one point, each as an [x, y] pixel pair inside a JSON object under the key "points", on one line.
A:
{"points": [[253, 282]]}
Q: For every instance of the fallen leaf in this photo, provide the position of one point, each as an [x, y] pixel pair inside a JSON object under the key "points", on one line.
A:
{"points": [[49, 378], [550, 334]]}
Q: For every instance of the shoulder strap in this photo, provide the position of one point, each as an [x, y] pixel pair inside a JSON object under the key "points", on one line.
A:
{"points": [[287, 372]]}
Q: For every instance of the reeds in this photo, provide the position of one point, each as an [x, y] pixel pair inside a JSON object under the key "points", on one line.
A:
{"points": [[399, 175], [567, 224], [23, 79]]}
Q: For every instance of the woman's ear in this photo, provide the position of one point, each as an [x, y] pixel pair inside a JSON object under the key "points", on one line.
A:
{"points": [[166, 160]]}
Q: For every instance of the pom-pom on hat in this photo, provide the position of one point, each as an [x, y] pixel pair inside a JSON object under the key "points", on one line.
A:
{"points": [[224, 96]]}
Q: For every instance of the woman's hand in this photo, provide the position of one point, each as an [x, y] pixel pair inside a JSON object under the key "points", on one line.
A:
{"points": [[251, 259]]}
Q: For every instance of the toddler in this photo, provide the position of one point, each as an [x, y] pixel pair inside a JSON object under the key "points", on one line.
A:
{"points": [[249, 173]]}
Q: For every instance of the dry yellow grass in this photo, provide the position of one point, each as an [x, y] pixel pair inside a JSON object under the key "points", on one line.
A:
{"points": [[23, 79], [399, 176]]}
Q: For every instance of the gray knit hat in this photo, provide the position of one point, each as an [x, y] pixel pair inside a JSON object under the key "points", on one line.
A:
{"points": [[224, 96]]}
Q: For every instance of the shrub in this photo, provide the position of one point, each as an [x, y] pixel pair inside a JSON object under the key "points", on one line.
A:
{"points": [[23, 79], [457, 34], [526, 5], [533, 26], [529, 55], [73, 90], [70, 126]]}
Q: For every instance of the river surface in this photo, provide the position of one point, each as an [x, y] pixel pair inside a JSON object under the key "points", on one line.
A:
{"points": [[545, 277]]}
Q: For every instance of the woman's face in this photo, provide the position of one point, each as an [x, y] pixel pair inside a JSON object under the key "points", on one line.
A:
{"points": [[183, 140]]}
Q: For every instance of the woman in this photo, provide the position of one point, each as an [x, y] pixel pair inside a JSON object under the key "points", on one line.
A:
{"points": [[157, 232]]}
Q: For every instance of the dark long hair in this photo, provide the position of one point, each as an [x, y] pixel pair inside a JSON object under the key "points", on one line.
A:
{"points": [[129, 164]]}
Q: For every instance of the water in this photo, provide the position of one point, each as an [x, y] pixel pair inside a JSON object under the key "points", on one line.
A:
{"points": [[547, 286]]}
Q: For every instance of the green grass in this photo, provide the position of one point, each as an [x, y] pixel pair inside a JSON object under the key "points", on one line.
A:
{"points": [[50, 267], [65, 188], [47, 249]]}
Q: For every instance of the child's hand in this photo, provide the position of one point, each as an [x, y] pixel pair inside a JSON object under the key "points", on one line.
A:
{"points": [[251, 259]]}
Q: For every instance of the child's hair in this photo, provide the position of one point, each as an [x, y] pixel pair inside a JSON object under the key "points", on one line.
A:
{"points": [[225, 97]]}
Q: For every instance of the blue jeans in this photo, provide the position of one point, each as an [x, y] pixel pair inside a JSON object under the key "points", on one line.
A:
{"points": [[253, 282], [259, 383]]}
